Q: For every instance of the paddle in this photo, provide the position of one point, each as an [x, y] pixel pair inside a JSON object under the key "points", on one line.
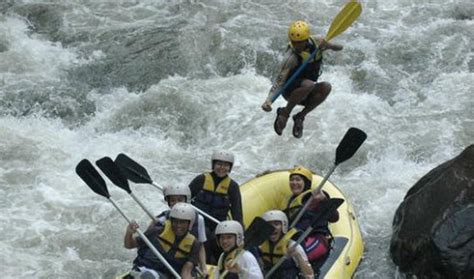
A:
{"points": [[349, 13], [112, 171], [348, 146], [92, 178], [134, 171], [327, 208], [256, 234], [138, 174]]}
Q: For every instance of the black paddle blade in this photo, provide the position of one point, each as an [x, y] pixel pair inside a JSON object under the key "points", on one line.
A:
{"points": [[258, 231], [349, 144], [92, 178], [112, 171], [132, 170], [326, 210]]}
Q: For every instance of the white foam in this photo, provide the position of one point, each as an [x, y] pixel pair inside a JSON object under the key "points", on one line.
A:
{"points": [[54, 226], [30, 55]]}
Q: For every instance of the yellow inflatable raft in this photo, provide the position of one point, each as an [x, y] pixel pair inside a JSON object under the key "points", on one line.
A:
{"points": [[266, 191]]}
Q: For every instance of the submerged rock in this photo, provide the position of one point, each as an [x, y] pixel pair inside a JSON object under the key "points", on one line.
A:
{"points": [[433, 228]]}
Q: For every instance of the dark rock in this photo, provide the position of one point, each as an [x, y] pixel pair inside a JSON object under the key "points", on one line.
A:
{"points": [[433, 228]]}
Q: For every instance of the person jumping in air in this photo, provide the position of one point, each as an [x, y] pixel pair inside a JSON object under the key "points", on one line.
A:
{"points": [[305, 89]]}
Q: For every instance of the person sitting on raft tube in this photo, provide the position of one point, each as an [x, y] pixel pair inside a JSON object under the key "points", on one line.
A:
{"points": [[230, 237], [317, 243], [181, 193], [174, 241], [281, 243], [305, 89], [216, 194]]}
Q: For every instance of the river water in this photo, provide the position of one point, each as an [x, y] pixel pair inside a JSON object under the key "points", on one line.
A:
{"points": [[169, 82]]}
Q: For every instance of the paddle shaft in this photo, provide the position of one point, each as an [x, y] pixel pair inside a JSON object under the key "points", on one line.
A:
{"points": [[241, 252], [147, 242], [197, 209], [295, 75], [138, 171], [142, 206], [157, 186], [285, 256], [349, 13], [112, 171], [317, 190]]}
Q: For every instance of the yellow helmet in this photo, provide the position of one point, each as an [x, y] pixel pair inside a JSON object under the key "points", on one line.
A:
{"points": [[298, 31], [306, 173]]}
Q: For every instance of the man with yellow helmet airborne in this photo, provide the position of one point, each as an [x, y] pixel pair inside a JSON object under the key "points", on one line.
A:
{"points": [[304, 90]]}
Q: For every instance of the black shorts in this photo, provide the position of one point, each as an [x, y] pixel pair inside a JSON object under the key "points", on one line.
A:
{"points": [[295, 84], [292, 87]]}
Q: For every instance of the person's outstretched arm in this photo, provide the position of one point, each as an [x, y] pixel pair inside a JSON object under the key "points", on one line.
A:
{"points": [[323, 45], [286, 67]]}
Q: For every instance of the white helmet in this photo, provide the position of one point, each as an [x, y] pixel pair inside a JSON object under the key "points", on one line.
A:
{"points": [[183, 211], [277, 215], [222, 156], [231, 227], [177, 190]]}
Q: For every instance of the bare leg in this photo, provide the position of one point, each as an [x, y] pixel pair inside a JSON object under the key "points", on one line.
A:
{"points": [[319, 93], [298, 95], [316, 97]]}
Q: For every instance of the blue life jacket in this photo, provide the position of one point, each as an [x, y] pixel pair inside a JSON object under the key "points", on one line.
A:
{"points": [[214, 199], [175, 250]]}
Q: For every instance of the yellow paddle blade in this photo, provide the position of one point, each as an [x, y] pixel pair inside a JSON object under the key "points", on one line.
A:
{"points": [[344, 19]]}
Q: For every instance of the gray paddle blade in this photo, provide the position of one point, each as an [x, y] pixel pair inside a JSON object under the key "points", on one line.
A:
{"points": [[258, 231], [92, 178], [133, 170], [349, 144], [113, 172]]}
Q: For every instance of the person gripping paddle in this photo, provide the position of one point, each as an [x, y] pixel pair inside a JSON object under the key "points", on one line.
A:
{"points": [[305, 89], [298, 77]]}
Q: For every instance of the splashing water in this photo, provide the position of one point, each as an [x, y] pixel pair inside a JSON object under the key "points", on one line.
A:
{"points": [[169, 82]]}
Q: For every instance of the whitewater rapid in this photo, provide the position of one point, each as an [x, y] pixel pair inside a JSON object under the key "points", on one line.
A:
{"points": [[169, 82]]}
